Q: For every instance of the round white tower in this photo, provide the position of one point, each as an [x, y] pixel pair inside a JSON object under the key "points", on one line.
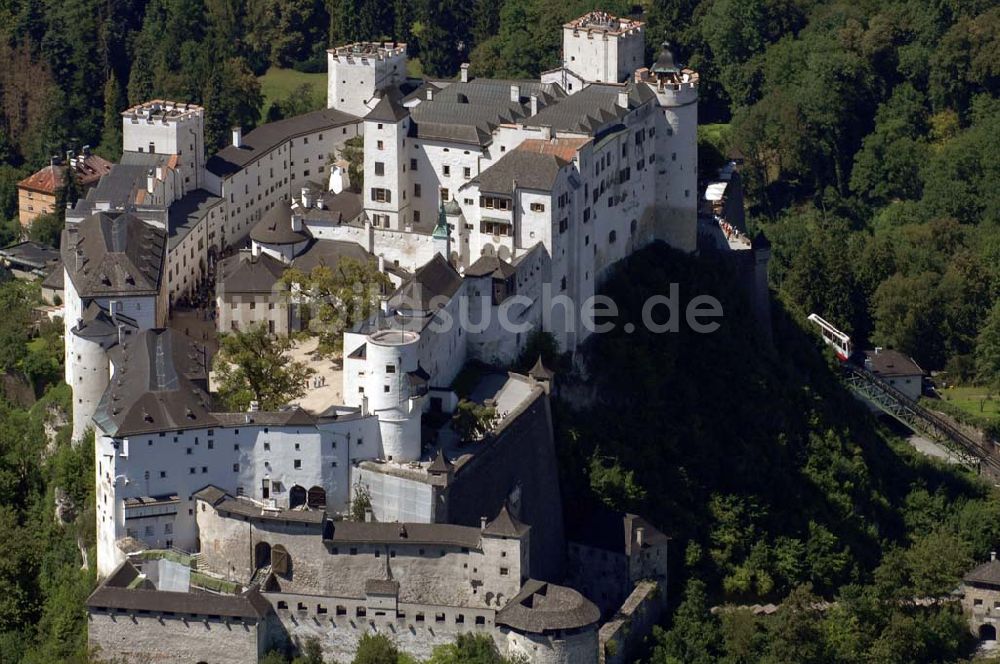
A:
{"points": [[86, 347], [676, 89], [392, 394]]}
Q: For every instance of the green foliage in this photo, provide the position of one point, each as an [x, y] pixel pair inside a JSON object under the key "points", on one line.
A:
{"points": [[468, 649], [46, 229], [376, 649], [472, 421], [988, 350], [252, 365], [339, 298], [302, 99], [354, 153], [361, 503]]}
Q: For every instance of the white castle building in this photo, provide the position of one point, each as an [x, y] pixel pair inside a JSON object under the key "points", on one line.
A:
{"points": [[479, 196]]}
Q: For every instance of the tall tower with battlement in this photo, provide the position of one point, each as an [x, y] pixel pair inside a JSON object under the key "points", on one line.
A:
{"points": [[676, 89], [601, 48], [357, 72], [169, 128]]}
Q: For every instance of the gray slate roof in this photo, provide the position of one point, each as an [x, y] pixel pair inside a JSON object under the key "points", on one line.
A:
{"points": [[505, 525], [186, 212], [275, 227], [530, 170], [31, 255], [246, 273], [889, 362], [987, 574], [469, 112], [160, 385], [115, 594], [432, 282], [592, 110], [542, 607], [266, 137], [441, 534], [388, 109], [329, 253], [119, 254]]}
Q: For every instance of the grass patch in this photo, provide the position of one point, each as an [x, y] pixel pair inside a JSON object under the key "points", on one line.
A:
{"points": [[414, 69], [278, 83], [165, 554], [977, 401]]}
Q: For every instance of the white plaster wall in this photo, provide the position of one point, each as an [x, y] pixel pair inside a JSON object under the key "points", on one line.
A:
{"points": [[561, 648], [397, 498], [352, 81], [677, 179]]}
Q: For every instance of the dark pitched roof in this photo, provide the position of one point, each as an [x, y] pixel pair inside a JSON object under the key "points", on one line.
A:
{"points": [[445, 534], [113, 253], [187, 212], [246, 273], [291, 417], [888, 362], [332, 208], [31, 254], [114, 593], [490, 266], [540, 371], [592, 110], [56, 278], [266, 137], [440, 465], [388, 109], [160, 385], [211, 494], [246, 508], [275, 227], [329, 253], [541, 607], [97, 325], [433, 282], [525, 168], [87, 169], [760, 241], [987, 574], [505, 525], [469, 112]]}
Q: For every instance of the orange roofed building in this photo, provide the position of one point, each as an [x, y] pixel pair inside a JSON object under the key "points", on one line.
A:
{"points": [[37, 193]]}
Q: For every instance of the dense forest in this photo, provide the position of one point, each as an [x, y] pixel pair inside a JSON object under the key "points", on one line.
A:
{"points": [[868, 133]]}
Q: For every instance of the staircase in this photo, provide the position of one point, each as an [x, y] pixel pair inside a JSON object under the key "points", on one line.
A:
{"points": [[259, 576], [971, 453]]}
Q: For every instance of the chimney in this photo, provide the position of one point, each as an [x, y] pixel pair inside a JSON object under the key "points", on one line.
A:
{"points": [[150, 180], [296, 222], [368, 516], [254, 406], [640, 536], [237, 137], [465, 72], [306, 198], [534, 105], [430, 92], [255, 250], [381, 264], [623, 99], [993, 556], [86, 151], [515, 93], [482, 523]]}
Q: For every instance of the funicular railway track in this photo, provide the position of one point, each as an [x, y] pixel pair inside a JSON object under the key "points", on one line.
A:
{"points": [[980, 456]]}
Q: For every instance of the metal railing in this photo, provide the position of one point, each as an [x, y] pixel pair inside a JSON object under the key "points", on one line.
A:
{"points": [[968, 451]]}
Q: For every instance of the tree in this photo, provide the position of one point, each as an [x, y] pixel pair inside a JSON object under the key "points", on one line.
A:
{"points": [[694, 636], [988, 350], [312, 653], [339, 297], [472, 421], [376, 649], [114, 104], [353, 153], [46, 229], [467, 649], [253, 365]]}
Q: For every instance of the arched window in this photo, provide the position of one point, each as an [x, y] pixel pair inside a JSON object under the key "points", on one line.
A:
{"points": [[316, 497], [296, 496], [987, 632], [262, 555]]}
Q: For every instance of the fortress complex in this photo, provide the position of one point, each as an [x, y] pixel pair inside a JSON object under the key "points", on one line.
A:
{"points": [[479, 196]]}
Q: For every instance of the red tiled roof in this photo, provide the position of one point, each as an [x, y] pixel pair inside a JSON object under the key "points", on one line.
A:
{"points": [[49, 179]]}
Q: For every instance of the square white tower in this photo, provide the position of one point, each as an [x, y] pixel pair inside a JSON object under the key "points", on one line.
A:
{"points": [[357, 72], [601, 48]]}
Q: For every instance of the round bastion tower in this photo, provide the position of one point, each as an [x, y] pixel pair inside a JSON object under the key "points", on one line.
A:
{"points": [[395, 386], [676, 89]]}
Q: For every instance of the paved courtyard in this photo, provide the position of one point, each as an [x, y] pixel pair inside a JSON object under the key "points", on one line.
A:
{"points": [[325, 386]]}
